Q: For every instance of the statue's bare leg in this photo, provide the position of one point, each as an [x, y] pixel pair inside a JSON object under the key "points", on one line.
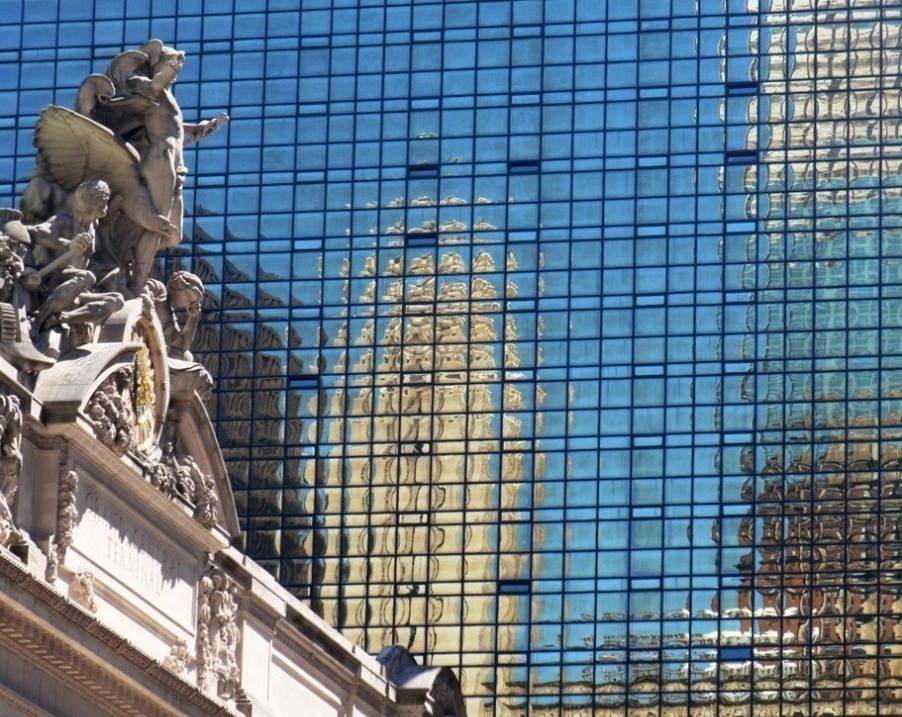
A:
{"points": [[64, 295], [160, 170], [145, 253], [93, 308]]}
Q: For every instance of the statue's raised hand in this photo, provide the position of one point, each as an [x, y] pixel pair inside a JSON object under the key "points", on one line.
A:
{"points": [[196, 132], [82, 244]]}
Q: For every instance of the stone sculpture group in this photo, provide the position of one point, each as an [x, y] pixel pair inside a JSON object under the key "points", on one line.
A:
{"points": [[105, 197], [120, 590], [78, 298]]}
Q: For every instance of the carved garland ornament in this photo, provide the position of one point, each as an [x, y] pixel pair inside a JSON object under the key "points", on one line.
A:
{"points": [[111, 413], [218, 635], [175, 475], [66, 518], [179, 658], [10, 464]]}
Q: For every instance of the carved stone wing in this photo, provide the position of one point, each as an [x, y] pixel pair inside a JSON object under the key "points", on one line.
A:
{"points": [[76, 148]]}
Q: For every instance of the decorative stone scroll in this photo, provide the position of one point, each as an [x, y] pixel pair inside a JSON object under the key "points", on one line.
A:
{"points": [[10, 464], [218, 635]]}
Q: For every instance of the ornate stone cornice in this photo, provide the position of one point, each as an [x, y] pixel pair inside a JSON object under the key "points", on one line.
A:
{"points": [[84, 672], [320, 664]]}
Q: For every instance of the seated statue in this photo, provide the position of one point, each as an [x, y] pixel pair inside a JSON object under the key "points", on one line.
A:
{"points": [[64, 247]]}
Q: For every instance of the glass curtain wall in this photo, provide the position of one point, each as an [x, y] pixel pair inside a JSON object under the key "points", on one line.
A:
{"points": [[557, 341]]}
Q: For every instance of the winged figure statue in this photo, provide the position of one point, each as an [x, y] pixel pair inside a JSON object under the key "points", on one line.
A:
{"points": [[75, 148], [105, 197], [128, 130]]}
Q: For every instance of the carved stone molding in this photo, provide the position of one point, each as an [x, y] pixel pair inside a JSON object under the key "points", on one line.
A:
{"points": [[218, 635], [175, 475], [10, 464], [26, 708], [111, 413], [66, 518], [203, 493], [113, 693]]}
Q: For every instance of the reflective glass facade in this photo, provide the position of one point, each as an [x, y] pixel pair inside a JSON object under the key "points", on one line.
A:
{"points": [[557, 340]]}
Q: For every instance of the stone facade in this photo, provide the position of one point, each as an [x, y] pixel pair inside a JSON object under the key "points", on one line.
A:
{"points": [[119, 593]]}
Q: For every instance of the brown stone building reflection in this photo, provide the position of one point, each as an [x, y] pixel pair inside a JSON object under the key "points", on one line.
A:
{"points": [[823, 578]]}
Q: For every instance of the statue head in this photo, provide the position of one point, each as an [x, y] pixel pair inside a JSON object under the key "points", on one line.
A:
{"points": [[163, 60], [185, 289], [91, 198]]}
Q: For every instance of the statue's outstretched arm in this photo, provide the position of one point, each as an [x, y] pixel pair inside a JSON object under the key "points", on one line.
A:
{"points": [[194, 132]]}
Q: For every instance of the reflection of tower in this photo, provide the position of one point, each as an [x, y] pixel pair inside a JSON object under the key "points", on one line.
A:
{"points": [[822, 531], [825, 534], [421, 445]]}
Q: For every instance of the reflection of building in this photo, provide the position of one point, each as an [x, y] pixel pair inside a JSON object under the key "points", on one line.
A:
{"points": [[823, 553], [734, 364], [423, 446], [690, 216], [820, 584]]}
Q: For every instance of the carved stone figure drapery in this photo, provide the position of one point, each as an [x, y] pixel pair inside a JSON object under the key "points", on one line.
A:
{"points": [[65, 246], [105, 197], [217, 634], [132, 126], [15, 344], [10, 464]]}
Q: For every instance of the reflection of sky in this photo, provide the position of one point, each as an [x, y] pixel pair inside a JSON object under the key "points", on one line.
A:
{"points": [[679, 322]]}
